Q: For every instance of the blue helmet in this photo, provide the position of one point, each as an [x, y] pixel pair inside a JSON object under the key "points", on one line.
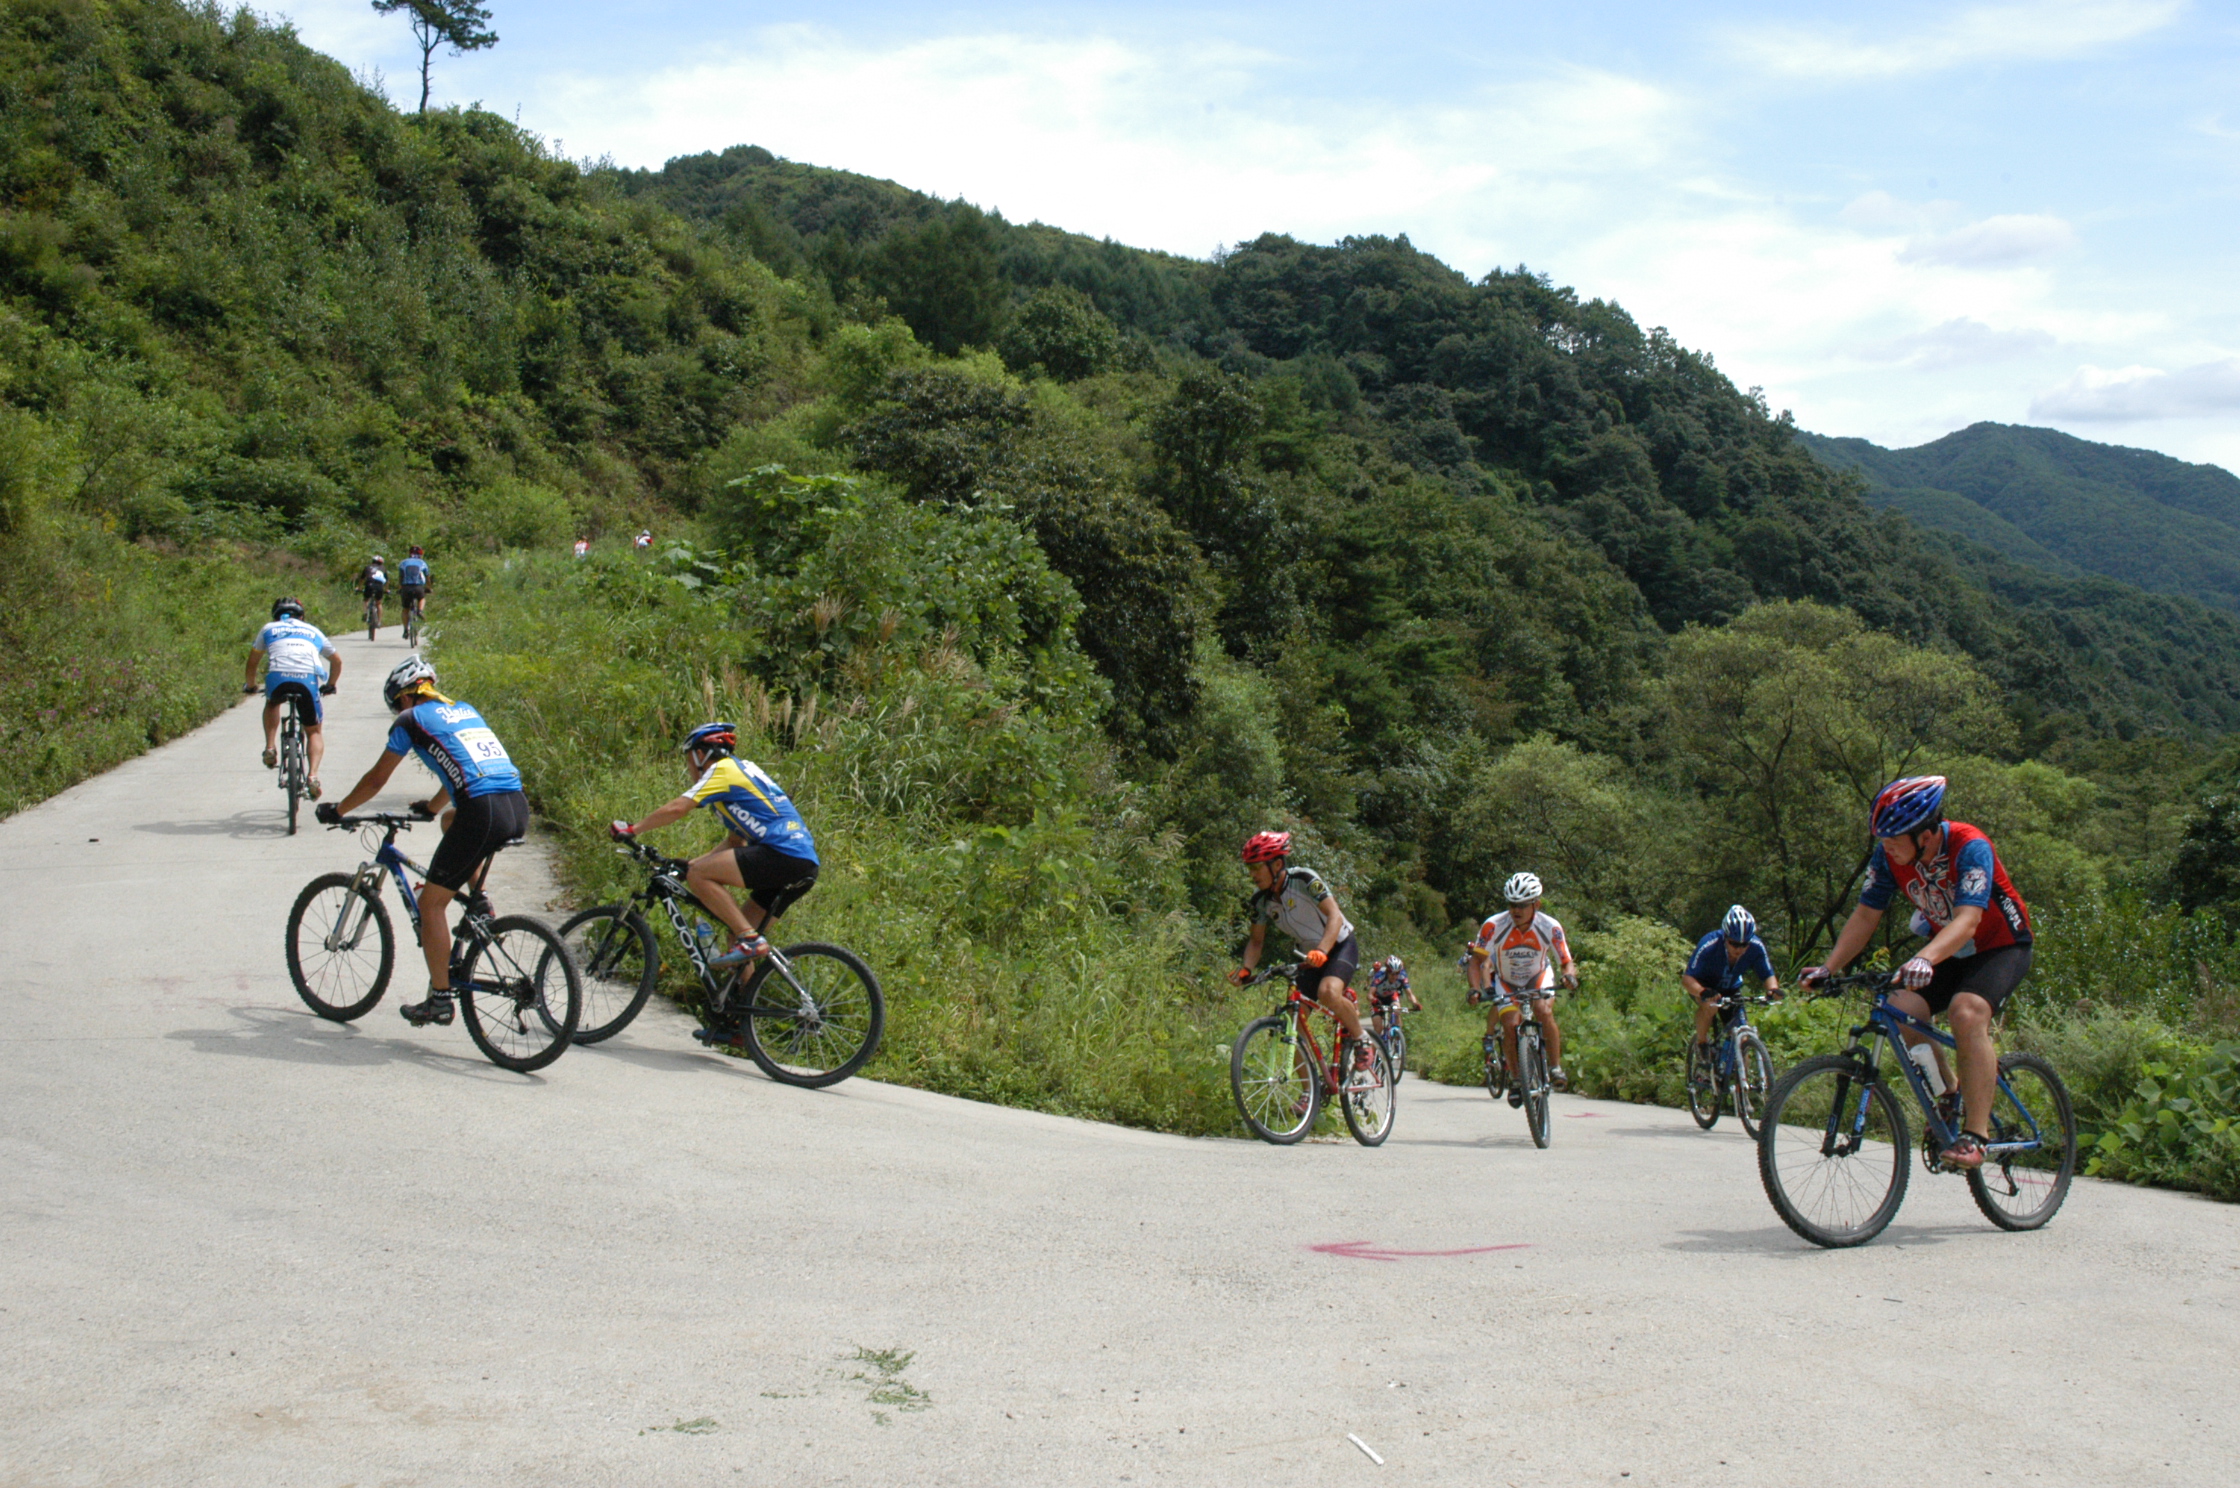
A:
{"points": [[1906, 805], [712, 738], [1738, 926]]}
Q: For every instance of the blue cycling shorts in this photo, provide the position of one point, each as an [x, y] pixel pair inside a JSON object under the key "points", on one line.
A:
{"points": [[274, 685]]}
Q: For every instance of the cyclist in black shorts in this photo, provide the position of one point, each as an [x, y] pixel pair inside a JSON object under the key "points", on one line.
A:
{"points": [[373, 584], [767, 850]]}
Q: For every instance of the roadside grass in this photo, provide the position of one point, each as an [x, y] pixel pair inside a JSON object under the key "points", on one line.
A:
{"points": [[109, 648]]}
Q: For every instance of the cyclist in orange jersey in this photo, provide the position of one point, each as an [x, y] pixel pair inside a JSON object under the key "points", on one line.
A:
{"points": [[1513, 963]]}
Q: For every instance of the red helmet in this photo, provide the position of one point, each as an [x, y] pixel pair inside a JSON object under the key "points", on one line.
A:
{"points": [[1266, 847]]}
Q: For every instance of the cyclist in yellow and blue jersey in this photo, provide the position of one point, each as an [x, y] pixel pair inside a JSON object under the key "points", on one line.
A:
{"points": [[767, 849]]}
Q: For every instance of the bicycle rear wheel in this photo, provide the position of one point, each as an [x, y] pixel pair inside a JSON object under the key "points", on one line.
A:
{"points": [[1368, 1097], [341, 948], [1703, 1085], [619, 962], [2033, 1146], [818, 1025], [1753, 1078], [520, 992], [1533, 1055], [1832, 1152], [1275, 1081]]}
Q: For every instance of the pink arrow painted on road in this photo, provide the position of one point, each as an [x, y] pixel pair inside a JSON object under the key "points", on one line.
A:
{"points": [[1369, 1250]]}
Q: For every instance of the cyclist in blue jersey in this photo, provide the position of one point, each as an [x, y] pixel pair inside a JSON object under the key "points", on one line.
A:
{"points": [[300, 660], [481, 788], [412, 581], [1724, 960], [767, 849]]}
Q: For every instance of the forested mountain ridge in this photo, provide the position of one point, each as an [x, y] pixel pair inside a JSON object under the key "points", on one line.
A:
{"points": [[2063, 504]]}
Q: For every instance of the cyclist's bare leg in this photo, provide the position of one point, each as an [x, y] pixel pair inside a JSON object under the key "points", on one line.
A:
{"points": [[712, 877], [315, 746], [1707, 1008], [435, 933], [1510, 1019], [1343, 1008], [1970, 1019], [272, 723], [1544, 1014]]}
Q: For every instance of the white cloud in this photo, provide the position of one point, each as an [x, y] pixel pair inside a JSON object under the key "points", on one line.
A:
{"points": [[2048, 31], [1960, 342], [1995, 240], [2138, 394]]}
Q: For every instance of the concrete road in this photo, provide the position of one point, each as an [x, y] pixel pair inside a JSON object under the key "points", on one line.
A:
{"points": [[243, 1246]]}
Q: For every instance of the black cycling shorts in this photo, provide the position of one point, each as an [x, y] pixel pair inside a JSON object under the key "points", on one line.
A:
{"points": [[482, 826], [1345, 960], [412, 592], [1991, 975], [773, 880]]}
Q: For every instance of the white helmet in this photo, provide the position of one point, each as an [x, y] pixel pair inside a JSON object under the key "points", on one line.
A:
{"points": [[1522, 888], [409, 673]]}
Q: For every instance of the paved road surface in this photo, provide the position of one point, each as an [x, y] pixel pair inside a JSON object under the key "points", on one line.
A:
{"points": [[243, 1246]]}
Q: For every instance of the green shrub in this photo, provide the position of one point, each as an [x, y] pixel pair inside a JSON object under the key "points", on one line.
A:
{"points": [[2181, 1127]]}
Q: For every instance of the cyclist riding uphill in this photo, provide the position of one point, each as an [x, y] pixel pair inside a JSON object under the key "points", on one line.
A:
{"points": [[373, 583], [1297, 901], [412, 576], [1513, 961], [767, 850], [1723, 960], [482, 788], [1980, 949], [298, 658], [1388, 983]]}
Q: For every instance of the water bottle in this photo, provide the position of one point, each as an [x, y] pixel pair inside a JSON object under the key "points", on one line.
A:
{"points": [[705, 934], [1925, 1056]]}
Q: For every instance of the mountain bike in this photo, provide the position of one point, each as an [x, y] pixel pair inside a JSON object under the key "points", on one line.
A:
{"points": [[1739, 1067], [295, 746], [1532, 1061], [1832, 1146], [809, 1014], [513, 978], [415, 616], [1281, 1079], [1394, 1037], [373, 617]]}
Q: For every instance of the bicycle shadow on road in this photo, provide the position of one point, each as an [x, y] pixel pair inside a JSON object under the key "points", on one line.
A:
{"points": [[304, 1038], [1777, 1239], [692, 1057], [241, 826]]}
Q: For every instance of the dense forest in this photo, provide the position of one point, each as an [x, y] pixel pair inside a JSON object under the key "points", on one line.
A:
{"points": [[1051, 567]]}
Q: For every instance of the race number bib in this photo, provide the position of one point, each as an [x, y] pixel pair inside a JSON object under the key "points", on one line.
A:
{"points": [[482, 746]]}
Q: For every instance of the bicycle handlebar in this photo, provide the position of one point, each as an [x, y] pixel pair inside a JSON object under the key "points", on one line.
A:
{"points": [[636, 849], [1846, 981], [401, 821]]}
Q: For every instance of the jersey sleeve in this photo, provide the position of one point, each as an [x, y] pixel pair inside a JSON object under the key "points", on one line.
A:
{"points": [[1313, 887], [1699, 964], [1756, 962], [1560, 947], [263, 642], [708, 784], [1971, 875], [1881, 883], [400, 739]]}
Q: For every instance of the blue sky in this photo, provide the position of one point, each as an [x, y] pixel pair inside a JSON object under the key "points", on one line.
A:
{"points": [[1897, 219]]}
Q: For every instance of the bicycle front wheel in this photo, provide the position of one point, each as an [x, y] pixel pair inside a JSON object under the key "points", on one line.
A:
{"points": [[1533, 1055], [2033, 1146], [814, 1021], [1277, 1086], [520, 992], [1368, 1097], [619, 962], [1832, 1152], [1396, 1044], [1753, 1078], [1703, 1085], [340, 947]]}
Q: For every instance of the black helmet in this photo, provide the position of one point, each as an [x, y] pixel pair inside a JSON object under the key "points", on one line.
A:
{"points": [[287, 608]]}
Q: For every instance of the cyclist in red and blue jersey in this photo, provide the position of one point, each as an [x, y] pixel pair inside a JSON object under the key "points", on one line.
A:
{"points": [[1979, 950], [767, 849], [481, 788], [1723, 961], [299, 661]]}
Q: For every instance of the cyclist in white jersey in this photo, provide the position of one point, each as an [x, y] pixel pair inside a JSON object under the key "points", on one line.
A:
{"points": [[1297, 901], [1513, 962], [297, 657]]}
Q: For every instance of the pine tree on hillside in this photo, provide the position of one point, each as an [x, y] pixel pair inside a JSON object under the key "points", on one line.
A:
{"points": [[458, 24]]}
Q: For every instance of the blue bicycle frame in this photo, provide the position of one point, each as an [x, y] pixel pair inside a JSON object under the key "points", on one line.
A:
{"points": [[1887, 1021]]}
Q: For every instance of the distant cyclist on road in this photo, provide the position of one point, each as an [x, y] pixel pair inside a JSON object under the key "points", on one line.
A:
{"points": [[643, 540], [412, 582], [1513, 963], [1388, 983], [1723, 961], [1297, 901], [767, 850], [373, 584], [297, 658], [1979, 950], [482, 788]]}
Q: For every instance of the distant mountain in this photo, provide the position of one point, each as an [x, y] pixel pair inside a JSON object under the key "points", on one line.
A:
{"points": [[2065, 505]]}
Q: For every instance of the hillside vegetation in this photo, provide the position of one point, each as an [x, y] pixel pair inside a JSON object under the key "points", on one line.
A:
{"points": [[1047, 569]]}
